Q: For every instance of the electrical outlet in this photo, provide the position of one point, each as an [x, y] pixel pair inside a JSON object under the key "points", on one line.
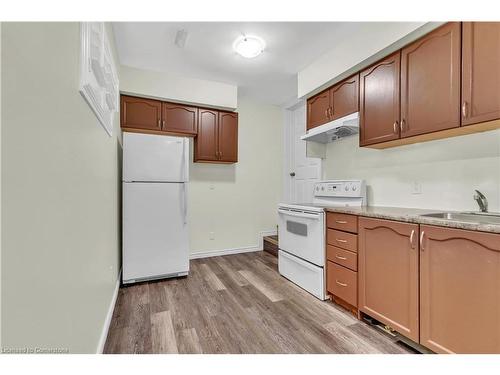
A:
{"points": [[416, 187], [212, 236]]}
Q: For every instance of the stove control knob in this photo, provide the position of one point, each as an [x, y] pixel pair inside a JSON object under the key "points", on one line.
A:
{"points": [[317, 188], [354, 188], [346, 188], [322, 188]]}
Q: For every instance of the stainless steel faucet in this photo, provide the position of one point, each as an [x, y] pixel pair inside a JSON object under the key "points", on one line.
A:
{"points": [[481, 201]]}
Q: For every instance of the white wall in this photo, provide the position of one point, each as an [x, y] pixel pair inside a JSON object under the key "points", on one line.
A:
{"points": [[169, 86], [357, 47], [60, 195], [236, 202], [448, 170]]}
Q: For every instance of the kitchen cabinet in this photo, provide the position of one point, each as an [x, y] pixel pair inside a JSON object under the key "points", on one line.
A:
{"points": [[344, 98], [228, 137], [379, 103], [459, 290], [342, 260], [430, 82], [388, 274], [205, 144], [179, 119], [340, 100], [217, 139], [140, 113], [480, 72], [157, 117], [318, 109]]}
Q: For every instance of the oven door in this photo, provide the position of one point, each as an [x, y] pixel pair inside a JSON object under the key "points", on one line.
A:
{"points": [[302, 234]]}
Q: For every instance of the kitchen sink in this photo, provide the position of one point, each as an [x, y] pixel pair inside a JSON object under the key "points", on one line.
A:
{"points": [[469, 217]]}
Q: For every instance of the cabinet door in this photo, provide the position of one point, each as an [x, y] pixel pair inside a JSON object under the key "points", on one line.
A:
{"points": [[430, 82], [318, 108], [388, 273], [459, 290], [140, 113], [205, 143], [480, 72], [228, 137], [344, 97], [379, 101], [178, 118]]}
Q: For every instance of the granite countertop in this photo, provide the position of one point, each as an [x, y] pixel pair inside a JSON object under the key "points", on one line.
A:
{"points": [[412, 215]]}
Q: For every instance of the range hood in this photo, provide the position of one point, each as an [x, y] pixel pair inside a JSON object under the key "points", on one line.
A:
{"points": [[333, 130]]}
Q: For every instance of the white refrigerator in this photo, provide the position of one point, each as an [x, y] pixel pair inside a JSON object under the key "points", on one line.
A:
{"points": [[155, 228]]}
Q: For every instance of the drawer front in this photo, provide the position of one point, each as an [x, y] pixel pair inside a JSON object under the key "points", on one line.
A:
{"points": [[344, 240], [348, 223], [342, 257], [342, 283]]}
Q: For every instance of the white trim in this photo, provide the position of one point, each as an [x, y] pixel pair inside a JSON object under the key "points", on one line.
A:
{"points": [[109, 316], [235, 250]]}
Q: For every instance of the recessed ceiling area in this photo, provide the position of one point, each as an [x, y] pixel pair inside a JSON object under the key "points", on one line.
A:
{"points": [[208, 52]]}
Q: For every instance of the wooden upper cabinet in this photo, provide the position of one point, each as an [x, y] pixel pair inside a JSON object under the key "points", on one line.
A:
{"points": [[205, 144], [388, 274], [430, 82], [344, 98], [379, 101], [177, 118], [480, 72], [140, 113], [318, 109], [228, 137], [459, 290]]}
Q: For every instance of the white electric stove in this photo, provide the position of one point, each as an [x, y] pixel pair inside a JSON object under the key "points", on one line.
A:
{"points": [[301, 235]]}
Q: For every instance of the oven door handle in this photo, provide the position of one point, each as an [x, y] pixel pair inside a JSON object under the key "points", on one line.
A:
{"points": [[300, 214]]}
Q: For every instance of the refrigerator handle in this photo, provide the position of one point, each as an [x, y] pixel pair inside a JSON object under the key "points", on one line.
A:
{"points": [[184, 162], [184, 203]]}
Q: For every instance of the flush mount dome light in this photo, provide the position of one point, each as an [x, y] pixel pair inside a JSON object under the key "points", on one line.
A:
{"points": [[249, 46]]}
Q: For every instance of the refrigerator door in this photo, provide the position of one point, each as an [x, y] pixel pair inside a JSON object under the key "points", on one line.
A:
{"points": [[155, 231], [155, 158]]}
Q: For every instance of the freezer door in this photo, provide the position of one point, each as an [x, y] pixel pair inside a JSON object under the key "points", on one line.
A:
{"points": [[155, 230], [155, 158]]}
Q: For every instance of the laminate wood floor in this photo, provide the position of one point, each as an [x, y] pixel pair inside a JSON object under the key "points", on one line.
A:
{"points": [[236, 304]]}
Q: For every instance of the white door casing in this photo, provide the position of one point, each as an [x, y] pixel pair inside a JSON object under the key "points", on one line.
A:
{"points": [[298, 188]]}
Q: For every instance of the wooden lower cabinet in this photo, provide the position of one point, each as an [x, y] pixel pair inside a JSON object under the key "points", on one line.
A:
{"points": [[459, 290], [388, 274], [342, 283]]}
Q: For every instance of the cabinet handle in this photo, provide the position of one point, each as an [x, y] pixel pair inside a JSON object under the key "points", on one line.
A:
{"points": [[411, 238], [326, 113], [159, 123], [422, 241], [402, 125], [464, 109], [341, 241], [163, 124], [341, 222], [220, 154], [395, 127], [339, 283], [339, 257]]}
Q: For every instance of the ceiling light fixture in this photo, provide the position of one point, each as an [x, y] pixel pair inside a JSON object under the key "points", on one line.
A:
{"points": [[249, 46]]}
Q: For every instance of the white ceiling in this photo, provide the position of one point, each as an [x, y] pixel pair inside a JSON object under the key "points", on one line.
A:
{"points": [[208, 53]]}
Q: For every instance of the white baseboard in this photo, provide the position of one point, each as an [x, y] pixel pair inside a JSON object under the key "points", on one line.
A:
{"points": [[235, 250], [109, 316]]}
